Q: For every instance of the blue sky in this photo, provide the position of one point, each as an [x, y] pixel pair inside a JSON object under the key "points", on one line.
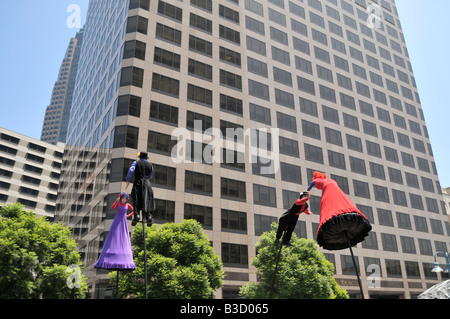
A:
{"points": [[34, 37]]}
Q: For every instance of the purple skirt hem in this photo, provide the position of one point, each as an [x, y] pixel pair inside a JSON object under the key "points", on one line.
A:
{"points": [[115, 266]]}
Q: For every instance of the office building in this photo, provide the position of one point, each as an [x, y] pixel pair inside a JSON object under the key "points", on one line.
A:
{"points": [[54, 128], [29, 172], [446, 192], [237, 103]]}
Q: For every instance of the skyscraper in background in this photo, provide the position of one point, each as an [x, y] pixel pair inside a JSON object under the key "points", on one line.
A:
{"points": [[237, 103], [54, 128]]}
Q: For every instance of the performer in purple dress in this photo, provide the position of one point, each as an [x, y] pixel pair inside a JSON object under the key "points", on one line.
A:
{"points": [[116, 253]]}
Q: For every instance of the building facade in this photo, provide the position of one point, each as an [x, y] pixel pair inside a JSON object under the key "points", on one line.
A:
{"points": [[54, 128], [29, 172], [237, 103], [446, 192]]}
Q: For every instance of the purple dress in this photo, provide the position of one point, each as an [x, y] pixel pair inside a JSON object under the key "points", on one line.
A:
{"points": [[116, 253]]}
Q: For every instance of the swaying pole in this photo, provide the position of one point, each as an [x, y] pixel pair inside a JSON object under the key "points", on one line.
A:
{"points": [[354, 265], [145, 257], [276, 267]]}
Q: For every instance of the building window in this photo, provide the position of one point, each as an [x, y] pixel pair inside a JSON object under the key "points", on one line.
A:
{"points": [[231, 79], [412, 269], [232, 189], [143, 4], [164, 113], [198, 182], [286, 122], [165, 210], [137, 24], [259, 90], [126, 136], [313, 153], [200, 95], [234, 221], [389, 242], [229, 34], [168, 33], [257, 67], [170, 11], [200, 69], [393, 268], [264, 195], [234, 255], [202, 214], [229, 14], [132, 76], [134, 49], [230, 56], [347, 265], [361, 189], [289, 147], [165, 176], [263, 223], [336, 159], [129, 105], [204, 4], [167, 58], [198, 122], [165, 84], [333, 136], [230, 104], [260, 114], [160, 143]]}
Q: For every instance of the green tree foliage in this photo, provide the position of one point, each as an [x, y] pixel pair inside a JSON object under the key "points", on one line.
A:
{"points": [[181, 263], [303, 272], [35, 256]]}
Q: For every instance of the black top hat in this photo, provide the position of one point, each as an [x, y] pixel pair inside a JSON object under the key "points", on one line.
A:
{"points": [[143, 155]]}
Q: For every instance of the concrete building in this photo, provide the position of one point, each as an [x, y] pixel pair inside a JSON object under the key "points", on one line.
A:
{"points": [[446, 192], [54, 128], [29, 172], [276, 89]]}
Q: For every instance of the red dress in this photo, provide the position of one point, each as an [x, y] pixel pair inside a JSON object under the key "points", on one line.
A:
{"points": [[339, 217]]}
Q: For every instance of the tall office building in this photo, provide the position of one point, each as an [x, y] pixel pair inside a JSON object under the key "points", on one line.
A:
{"points": [[54, 128], [29, 172], [237, 103]]}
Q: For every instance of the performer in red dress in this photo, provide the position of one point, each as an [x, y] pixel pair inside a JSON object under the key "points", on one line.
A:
{"points": [[339, 217]]}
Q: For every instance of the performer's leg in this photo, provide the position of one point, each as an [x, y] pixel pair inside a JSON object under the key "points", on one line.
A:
{"points": [[148, 218], [136, 217], [287, 236], [280, 230]]}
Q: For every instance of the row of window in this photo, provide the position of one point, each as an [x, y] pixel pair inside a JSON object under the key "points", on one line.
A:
{"points": [[128, 136], [266, 195], [236, 221], [131, 105], [31, 146]]}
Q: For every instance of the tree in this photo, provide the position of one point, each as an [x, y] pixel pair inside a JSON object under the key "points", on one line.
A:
{"points": [[181, 263], [37, 258], [303, 272]]}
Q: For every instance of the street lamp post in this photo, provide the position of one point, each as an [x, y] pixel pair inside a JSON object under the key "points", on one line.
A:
{"points": [[437, 267]]}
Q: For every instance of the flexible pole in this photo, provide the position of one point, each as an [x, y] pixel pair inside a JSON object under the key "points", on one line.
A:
{"points": [[354, 265], [145, 256], [276, 266], [117, 284]]}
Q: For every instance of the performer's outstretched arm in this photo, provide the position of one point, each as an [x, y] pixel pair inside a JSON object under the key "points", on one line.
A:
{"points": [[132, 211], [131, 171]]}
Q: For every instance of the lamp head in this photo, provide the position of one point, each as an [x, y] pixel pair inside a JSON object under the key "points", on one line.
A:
{"points": [[437, 268]]}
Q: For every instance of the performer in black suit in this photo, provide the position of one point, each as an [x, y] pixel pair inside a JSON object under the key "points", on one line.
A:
{"points": [[289, 219], [142, 192]]}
